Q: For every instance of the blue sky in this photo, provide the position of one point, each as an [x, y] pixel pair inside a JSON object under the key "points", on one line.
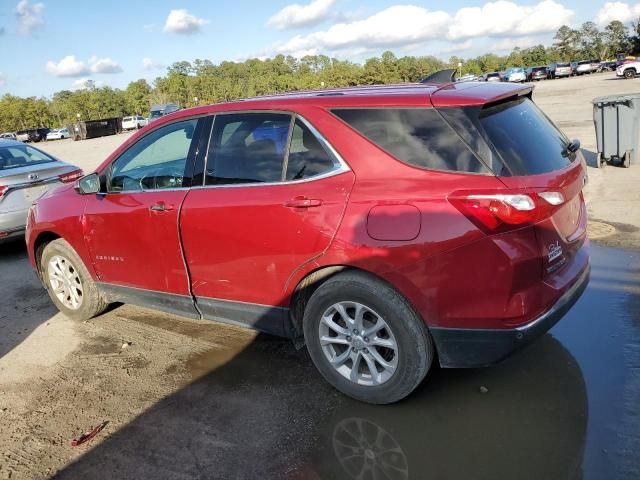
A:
{"points": [[50, 46]]}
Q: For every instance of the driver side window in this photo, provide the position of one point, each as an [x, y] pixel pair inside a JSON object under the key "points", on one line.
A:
{"points": [[157, 161]]}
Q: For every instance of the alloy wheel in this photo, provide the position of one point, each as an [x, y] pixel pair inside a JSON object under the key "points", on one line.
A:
{"points": [[65, 282], [358, 343]]}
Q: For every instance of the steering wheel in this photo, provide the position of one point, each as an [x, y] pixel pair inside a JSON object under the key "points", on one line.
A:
{"points": [[174, 175]]}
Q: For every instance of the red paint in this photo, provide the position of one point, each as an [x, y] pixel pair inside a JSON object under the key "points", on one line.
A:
{"points": [[256, 243], [393, 222]]}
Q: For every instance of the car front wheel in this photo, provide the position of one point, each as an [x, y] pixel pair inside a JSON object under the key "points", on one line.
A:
{"points": [[629, 73], [69, 283], [366, 339]]}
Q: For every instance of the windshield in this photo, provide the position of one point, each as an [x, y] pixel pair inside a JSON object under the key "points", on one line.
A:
{"points": [[16, 156]]}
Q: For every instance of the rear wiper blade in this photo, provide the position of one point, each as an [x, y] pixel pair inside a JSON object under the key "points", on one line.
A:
{"points": [[572, 147]]}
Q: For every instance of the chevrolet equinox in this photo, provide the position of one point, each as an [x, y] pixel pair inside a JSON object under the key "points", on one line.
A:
{"points": [[386, 228]]}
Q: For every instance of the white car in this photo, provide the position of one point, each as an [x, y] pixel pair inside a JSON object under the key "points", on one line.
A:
{"points": [[58, 134], [134, 122], [515, 74], [628, 70], [583, 67]]}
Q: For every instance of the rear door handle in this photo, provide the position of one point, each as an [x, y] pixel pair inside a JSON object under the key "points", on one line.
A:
{"points": [[303, 202], [160, 207]]}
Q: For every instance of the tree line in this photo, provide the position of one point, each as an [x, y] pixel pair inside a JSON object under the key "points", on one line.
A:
{"points": [[203, 82]]}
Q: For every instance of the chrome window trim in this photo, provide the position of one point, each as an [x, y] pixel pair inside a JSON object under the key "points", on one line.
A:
{"points": [[340, 166]]}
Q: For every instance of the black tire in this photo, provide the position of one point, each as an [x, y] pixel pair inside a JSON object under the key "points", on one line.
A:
{"points": [[415, 350], [629, 73], [92, 303]]}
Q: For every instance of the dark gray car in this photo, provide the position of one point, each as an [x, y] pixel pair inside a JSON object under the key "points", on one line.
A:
{"points": [[26, 173]]}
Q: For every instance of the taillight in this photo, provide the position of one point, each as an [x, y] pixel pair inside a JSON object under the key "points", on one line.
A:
{"points": [[3, 190], [71, 176], [500, 212]]}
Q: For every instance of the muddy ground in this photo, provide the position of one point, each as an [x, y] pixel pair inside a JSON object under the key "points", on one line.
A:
{"points": [[192, 399]]}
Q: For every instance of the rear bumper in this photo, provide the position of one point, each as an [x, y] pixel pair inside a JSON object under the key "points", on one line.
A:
{"points": [[468, 348]]}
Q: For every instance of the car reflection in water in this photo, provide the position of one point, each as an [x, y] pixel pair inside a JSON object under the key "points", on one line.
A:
{"points": [[530, 424]]}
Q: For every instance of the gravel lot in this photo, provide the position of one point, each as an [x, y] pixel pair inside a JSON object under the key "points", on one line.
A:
{"points": [[192, 399]]}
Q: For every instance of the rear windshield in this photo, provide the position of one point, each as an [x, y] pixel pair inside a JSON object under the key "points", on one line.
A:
{"points": [[561, 65], [525, 138], [16, 156], [417, 136]]}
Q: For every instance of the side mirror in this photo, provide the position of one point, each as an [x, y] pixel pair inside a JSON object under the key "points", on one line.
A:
{"points": [[88, 185]]}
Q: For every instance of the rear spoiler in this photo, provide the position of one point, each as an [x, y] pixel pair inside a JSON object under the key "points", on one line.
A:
{"points": [[477, 93]]}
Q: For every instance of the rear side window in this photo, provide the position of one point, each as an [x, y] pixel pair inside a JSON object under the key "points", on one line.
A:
{"points": [[525, 138], [247, 148], [307, 157], [417, 136]]}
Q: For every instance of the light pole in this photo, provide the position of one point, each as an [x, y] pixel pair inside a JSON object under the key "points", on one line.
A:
{"points": [[460, 68]]}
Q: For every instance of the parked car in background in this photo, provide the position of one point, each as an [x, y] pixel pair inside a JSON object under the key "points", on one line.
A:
{"points": [[584, 67], [32, 135], [58, 134], [628, 70], [536, 73], [595, 65], [610, 65], [8, 136], [159, 111], [574, 68], [492, 77], [622, 59], [559, 70], [26, 174], [134, 122], [468, 78], [515, 74], [340, 218]]}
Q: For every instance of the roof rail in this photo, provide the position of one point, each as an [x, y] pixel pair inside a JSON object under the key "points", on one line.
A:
{"points": [[441, 76]]}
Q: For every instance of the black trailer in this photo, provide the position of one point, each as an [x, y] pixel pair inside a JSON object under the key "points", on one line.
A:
{"points": [[95, 128]]}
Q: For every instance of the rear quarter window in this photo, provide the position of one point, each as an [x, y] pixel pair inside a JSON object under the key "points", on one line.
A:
{"points": [[416, 136]]}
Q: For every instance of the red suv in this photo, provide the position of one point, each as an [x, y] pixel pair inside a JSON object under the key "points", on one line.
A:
{"points": [[384, 227]]}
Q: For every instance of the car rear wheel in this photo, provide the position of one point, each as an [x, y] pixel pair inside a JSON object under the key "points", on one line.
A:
{"points": [[366, 339], [69, 283]]}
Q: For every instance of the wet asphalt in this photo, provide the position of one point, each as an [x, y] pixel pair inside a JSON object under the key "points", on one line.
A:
{"points": [[566, 407]]}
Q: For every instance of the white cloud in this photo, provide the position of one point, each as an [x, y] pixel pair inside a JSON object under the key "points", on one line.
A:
{"points": [[181, 21], [85, 83], [29, 16], [617, 11], [508, 44], [397, 25], [3, 79], [296, 15], [405, 25], [458, 48], [69, 66], [104, 65], [149, 64], [507, 18]]}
